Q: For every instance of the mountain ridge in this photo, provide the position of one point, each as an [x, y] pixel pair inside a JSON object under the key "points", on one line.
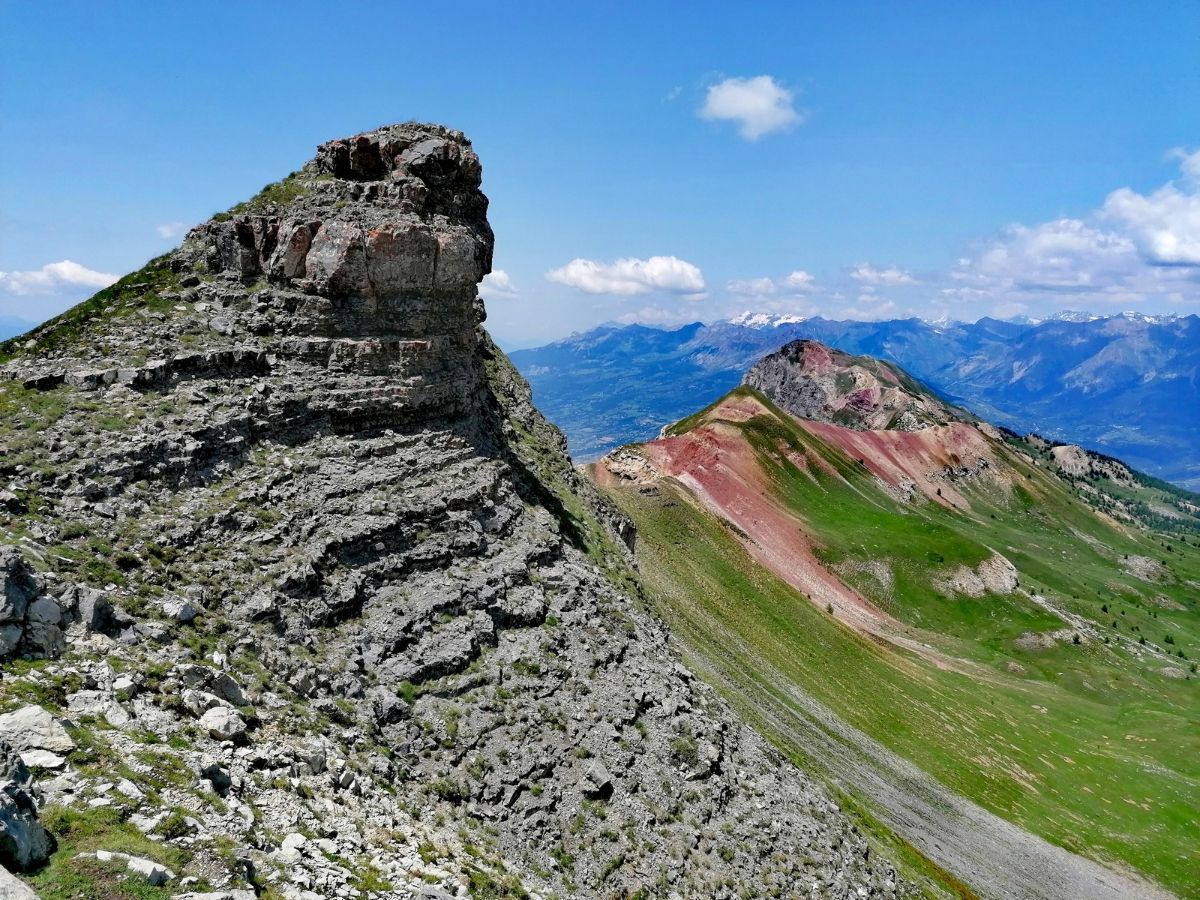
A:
{"points": [[951, 600], [309, 601], [1139, 403]]}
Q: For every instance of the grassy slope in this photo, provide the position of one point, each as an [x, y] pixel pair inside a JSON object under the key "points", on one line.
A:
{"points": [[1088, 745]]}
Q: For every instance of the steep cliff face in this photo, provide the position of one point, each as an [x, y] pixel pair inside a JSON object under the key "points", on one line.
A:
{"points": [[326, 600]]}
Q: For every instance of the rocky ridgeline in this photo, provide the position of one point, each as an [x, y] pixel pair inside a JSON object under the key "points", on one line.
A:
{"points": [[311, 603], [816, 382]]}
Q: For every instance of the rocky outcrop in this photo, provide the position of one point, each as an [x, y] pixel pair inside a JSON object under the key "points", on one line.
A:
{"points": [[30, 621], [994, 575], [412, 629], [1076, 462], [812, 381], [24, 843]]}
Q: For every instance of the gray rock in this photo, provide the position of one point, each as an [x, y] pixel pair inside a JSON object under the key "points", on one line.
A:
{"points": [[29, 621], [213, 772], [345, 473], [223, 724], [34, 728], [180, 610], [155, 873], [597, 781], [13, 888], [43, 759], [24, 843]]}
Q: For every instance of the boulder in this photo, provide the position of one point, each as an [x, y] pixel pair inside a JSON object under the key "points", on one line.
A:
{"points": [[24, 843], [223, 724], [597, 781], [34, 728], [215, 774], [43, 759], [155, 873], [43, 628], [13, 888], [29, 622], [17, 586]]}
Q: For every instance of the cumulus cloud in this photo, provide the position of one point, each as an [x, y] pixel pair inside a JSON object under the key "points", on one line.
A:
{"points": [[54, 277], [658, 315], [873, 309], [759, 105], [876, 276], [1165, 225], [496, 285], [1065, 255], [1189, 163], [800, 281], [1135, 248], [797, 282], [667, 274], [169, 230]]}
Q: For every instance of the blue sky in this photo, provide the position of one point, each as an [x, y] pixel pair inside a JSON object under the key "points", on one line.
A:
{"points": [[651, 162]]}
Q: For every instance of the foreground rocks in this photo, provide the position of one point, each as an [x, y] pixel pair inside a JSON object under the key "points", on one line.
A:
{"points": [[24, 843], [339, 618]]}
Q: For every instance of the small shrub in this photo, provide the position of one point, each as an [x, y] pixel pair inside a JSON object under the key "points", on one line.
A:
{"points": [[685, 749]]}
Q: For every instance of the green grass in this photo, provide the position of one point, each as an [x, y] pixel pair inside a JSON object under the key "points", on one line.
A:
{"points": [[137, 290], [279, 193], [66, 877], [1086, 745]]}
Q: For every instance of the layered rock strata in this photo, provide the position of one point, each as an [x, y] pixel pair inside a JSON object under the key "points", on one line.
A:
{"points": [[353, 583]]}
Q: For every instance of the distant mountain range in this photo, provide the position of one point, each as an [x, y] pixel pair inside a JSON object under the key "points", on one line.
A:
{"points": [[1127, 385]]}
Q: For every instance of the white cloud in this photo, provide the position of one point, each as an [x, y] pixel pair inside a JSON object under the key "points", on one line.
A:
{"points": [[753, 287], [1065, 255], [54, 277], [496, 285], [169, 230], [1189, 163], [801, 281], [657, 315], [759, 105], [1135, 249], [1009, 309], [667, 274], [797, 282], [865, 273], [1165, 225]]}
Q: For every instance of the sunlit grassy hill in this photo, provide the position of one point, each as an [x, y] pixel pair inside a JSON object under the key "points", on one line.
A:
{"points": [[1019, 634]]}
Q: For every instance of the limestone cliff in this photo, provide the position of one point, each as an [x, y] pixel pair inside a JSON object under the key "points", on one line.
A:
{"points": [[330, 612]]}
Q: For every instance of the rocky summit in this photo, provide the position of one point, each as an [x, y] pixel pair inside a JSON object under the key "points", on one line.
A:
{"points": [[822, 384], [302, 598]]}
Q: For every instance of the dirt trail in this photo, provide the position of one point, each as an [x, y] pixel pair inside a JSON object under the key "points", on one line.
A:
{"points": [[996, 858]]}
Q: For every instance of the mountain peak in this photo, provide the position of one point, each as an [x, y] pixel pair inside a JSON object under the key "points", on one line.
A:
{"points": [[750, 319], [813, 381], [285, 465]]}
